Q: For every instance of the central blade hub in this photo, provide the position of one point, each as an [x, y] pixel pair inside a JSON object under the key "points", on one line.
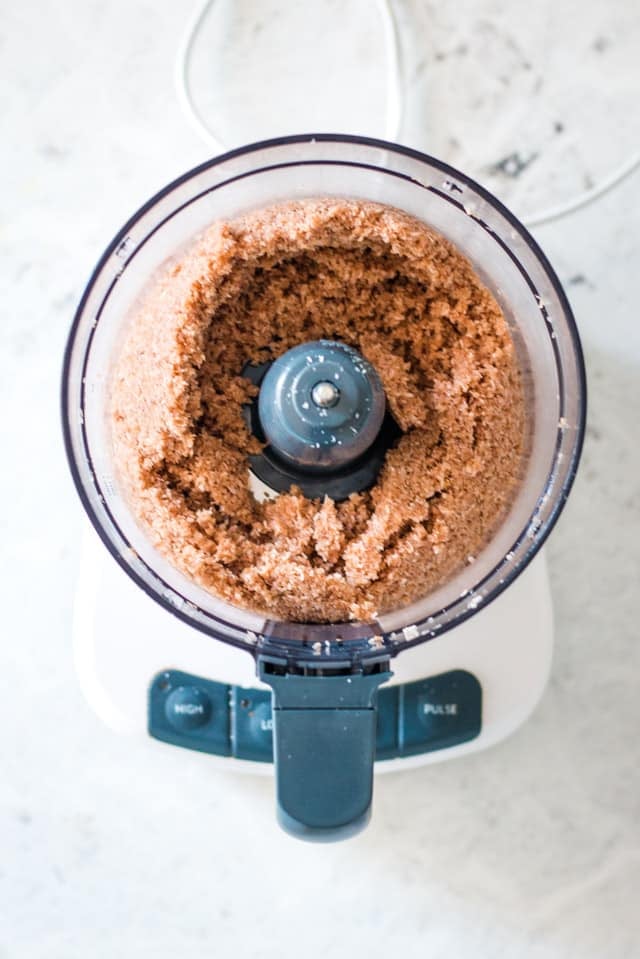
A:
{"points": [[321, 406], [321, 414]]}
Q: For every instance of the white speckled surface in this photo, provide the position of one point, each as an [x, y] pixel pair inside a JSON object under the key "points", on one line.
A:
{"points": [[114, 848]]}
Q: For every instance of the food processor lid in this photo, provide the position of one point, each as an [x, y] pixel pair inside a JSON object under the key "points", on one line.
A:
{"points": [[303, 166], [551, 125]]}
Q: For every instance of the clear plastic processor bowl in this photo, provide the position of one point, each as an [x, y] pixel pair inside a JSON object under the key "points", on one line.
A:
{"points": [[505, 256]]}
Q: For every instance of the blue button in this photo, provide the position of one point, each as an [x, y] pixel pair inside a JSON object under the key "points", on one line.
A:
{"points": [[261, 723], [189, 711], [439, 712], [251, 724], [188, 707]]}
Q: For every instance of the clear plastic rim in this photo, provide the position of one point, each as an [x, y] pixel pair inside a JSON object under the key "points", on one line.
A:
{"points": [[370, 641]]}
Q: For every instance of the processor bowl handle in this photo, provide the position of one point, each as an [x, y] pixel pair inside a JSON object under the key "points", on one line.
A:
{"points": [[324, 741]]}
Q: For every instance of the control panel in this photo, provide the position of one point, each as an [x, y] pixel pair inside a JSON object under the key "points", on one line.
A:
{"points": [[235, 721]]}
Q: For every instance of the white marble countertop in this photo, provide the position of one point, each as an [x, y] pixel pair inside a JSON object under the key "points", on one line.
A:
{"points": [[125, 848]]}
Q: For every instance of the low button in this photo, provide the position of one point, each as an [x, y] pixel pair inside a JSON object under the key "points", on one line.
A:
{"points": [[252, 724], [188, 707], [261, 723]]}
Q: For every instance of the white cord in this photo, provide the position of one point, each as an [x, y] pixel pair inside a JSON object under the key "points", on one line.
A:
{"points": [[395, 91], [183, 87], [394, 111], [185, 97]]}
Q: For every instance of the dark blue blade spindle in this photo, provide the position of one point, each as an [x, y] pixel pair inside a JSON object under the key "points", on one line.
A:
{"points": [[321, 406]]}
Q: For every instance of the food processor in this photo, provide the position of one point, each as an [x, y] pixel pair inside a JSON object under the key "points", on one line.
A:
{"points": [[322, 705]]}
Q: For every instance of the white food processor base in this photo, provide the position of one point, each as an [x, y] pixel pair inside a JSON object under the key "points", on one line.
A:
{"points": [[122, 640]]}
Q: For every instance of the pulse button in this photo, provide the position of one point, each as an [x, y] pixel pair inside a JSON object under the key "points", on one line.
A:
{"points": [[188, 707], [440, 712]]}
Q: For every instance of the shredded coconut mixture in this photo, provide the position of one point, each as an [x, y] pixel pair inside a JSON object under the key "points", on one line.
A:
{"points": [[249, 289]]}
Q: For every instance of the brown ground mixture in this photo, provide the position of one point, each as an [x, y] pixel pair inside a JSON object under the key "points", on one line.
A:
{"points": [[250, 289]]}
